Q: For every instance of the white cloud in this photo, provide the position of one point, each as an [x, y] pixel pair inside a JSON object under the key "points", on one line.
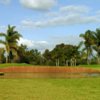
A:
{"points": [[71, 19], [70, 9], [43, 45], [28, 23], [5, 2], [68, 15], [52, 42], [27, 42], [38, 4], [40, 45], [75, 9]]}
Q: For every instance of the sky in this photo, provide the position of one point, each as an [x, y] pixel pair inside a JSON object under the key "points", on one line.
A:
{"points": [[45, 23]]}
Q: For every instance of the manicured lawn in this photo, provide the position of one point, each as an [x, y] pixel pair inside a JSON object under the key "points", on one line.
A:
{"points": [[13, 64], [50, 89], [91, 66], [24, 64]]}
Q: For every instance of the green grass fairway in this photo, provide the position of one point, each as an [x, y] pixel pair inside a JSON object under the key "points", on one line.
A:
{"points": [[50, 89], [91, 66], [24, 64], [14, 64]]}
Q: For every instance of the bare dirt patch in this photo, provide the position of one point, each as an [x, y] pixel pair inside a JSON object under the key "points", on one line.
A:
{"points": [[48, 72]]}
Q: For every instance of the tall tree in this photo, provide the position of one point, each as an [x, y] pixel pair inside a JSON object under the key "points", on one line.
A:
{"points": [[61, 54], [10, 41], [2, 57], [32, 56], [88, 42], [97, 44]]}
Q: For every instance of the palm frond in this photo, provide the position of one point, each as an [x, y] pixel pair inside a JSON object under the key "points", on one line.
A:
{"points": [[15, 36], [2, 34], [80, 44], [84, 49], [14, 48], [2, 42], [82, 35]]}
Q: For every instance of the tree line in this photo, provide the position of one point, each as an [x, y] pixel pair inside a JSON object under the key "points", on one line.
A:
{"points": [[87, 52]]}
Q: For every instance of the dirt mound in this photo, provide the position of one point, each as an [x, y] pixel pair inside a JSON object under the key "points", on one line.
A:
{"points": [[48, 70]]}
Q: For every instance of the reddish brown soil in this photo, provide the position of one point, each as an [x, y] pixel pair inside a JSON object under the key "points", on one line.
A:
{"points": [[48, 70]]}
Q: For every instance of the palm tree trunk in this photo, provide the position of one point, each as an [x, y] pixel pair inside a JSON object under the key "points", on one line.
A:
{"points": [[87, 61], [71, 62], [98, 55], [75, 62], [88, 57], [7, 59], [57, 62], [98, 59], [66, 62]]}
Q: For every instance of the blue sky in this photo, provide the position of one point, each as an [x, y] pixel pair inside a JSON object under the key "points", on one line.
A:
{"points": [[45, 23]]}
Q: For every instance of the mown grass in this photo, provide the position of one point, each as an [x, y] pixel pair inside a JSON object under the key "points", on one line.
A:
{"points": [[14, 64], [91, 66], [24, 64], [50, 89]]}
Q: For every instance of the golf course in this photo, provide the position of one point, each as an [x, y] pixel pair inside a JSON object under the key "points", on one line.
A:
{"points": [[50, 50], [71, 88]]}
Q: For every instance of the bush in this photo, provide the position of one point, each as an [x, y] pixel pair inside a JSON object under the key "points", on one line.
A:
{"points": [[1, 74]]}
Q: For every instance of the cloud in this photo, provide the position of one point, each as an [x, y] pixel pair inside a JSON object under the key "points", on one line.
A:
{"points": [[75, 9], [50, 44], [72, 19], [5, 2], [43, 45], [39, 45], [38, 4], [70, 9], [67, 15], [27, 42]]}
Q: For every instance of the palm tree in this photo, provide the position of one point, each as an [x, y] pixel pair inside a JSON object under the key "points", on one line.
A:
{"points": [[97, 44], [11, 39], [88, 42]]}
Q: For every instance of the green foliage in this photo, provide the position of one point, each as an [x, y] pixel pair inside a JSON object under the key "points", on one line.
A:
{"points": [[62, 52], [2, 57], [10, 41], [97, 44], [91, 42], [29, 56], [88, 42]]}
